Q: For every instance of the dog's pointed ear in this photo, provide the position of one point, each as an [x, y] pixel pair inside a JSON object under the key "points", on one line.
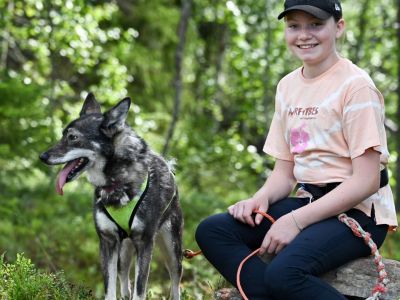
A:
{"points": [[90, 106], [114, 119]]}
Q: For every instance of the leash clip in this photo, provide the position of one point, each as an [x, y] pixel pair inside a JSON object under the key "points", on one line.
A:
{"points": [[187, 253]]}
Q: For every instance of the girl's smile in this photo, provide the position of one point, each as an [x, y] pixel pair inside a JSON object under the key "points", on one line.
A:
{"points": [[307, 46]]}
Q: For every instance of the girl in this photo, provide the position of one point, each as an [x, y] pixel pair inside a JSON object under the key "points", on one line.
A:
{"points": [[328, 136]]}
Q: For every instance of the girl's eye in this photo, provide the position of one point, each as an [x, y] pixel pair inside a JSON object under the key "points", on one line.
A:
{"points": [[316, 24], [293, 26]]}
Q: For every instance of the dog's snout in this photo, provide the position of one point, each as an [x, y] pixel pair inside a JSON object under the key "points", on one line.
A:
{"points": [[44, 156]]}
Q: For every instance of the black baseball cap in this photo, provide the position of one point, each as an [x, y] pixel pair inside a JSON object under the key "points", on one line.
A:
{"points": [[322, 9]]}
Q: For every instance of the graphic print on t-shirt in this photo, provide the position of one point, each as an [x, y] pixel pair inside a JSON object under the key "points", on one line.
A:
{"points": [[299, 139], [303, 113]]}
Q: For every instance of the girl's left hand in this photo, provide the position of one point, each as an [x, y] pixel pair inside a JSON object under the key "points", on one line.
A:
{"points": [[281, 233]]}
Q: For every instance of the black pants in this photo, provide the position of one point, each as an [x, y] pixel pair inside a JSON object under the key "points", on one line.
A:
{"points": [[293, 273]]}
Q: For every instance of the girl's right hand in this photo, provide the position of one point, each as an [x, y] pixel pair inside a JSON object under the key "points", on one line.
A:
{"points": [[243, 211]]}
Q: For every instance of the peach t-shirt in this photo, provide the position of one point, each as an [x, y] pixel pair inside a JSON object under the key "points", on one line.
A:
{"points": [[323, 123]]}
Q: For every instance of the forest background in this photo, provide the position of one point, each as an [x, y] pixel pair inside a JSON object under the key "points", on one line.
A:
{"points": [[202, 76]]}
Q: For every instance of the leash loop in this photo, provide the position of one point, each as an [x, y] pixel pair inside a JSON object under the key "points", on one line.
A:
{"points": [[383, 280], [357, 230]]}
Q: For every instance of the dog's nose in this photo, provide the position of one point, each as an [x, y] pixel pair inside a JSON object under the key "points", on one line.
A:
{"points": [[44, 156]]}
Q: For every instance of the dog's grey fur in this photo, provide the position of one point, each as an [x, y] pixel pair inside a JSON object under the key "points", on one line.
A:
{"points": [[118, 162]]}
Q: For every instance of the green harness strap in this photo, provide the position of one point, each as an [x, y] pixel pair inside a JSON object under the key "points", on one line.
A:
{"points": [[121, 215]]}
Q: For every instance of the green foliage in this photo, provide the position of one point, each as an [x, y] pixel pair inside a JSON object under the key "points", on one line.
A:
{"points": [[21, 281]]}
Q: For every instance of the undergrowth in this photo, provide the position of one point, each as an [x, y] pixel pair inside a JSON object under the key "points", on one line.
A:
{"points": [[20, 280]]}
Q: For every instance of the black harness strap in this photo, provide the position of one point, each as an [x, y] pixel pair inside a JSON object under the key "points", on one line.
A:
{"points": [[123, 232]]}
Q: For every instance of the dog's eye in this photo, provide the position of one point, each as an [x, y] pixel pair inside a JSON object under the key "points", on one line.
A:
{"points": [[72, 137]]}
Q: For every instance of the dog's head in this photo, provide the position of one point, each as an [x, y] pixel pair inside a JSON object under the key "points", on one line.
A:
{"points": [[87, 142]]}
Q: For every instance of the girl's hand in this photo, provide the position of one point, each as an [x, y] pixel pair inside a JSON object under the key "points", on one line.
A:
{"points": [[243, 210], [281, 233]]}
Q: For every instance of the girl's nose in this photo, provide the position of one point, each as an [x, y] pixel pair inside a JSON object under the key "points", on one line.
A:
{"points": [[304, 34]]}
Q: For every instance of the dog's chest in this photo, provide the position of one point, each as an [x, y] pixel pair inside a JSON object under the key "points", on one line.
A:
{"points": [[104, 224], [96, 174]]}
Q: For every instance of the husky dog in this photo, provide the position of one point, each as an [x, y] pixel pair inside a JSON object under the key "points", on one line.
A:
{"points": [[119, 164]]}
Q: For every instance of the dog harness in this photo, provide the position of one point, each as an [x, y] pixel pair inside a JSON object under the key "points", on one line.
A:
{"points": [[123, 216]]}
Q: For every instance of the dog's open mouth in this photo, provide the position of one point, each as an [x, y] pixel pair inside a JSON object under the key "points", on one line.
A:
{"points": [[70, 171]]}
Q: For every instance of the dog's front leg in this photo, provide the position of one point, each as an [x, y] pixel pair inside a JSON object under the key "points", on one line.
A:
{"points": [[124, 266], [142, 268], [109, 257]]}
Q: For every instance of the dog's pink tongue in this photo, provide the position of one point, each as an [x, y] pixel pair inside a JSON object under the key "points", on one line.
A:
{"points": [[62, 176]]}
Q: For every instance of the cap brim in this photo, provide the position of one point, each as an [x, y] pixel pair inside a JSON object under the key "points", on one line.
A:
{"points": [[312, 10]]}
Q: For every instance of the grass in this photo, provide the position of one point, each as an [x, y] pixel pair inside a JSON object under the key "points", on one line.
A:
{"points": [[22, 281]]}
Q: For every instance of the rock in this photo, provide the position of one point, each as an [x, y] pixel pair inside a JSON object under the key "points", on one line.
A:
{"points": [[355, 280]]}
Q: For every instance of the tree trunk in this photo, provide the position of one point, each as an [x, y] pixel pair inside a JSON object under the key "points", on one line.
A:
{"points": [[362, 24], [268, 92], [6, 37], [182, 28]]}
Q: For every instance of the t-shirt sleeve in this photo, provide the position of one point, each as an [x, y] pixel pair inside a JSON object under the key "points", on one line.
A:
{"points": [[363, 121], [276, 144]]}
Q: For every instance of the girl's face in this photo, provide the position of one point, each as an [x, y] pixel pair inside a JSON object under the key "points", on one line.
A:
{"points": [[311, 39]]}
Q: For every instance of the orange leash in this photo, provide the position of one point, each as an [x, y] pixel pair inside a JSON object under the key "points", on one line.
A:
{"points": [[379, 288], [382, 282], [239, 286], [190, 254], [187, 253]]}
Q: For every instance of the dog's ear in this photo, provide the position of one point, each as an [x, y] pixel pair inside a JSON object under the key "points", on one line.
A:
{"points": [[114, 119], [90, 106]]}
